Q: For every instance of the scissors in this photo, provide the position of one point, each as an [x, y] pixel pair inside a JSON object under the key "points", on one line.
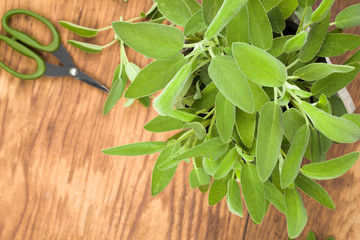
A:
{"points": [[25, 45]]}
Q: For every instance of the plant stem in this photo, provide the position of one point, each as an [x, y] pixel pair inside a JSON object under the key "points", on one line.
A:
{"points": [[110, 43], [209, 114], [297, 103], [134, 19], [307, 25], [301, 22], [194, 162], [211, 127], [206, 122], [202, 111], [105, 28], [293, 63], [283, 153], [196, 54], [201, 65], [190, 45], [184, 136], [332, 24], [157, 19], [211, 52], [123, 53], [292, 77]]}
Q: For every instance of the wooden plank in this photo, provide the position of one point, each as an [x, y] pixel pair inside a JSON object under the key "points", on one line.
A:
{"points": [[56, 183]]}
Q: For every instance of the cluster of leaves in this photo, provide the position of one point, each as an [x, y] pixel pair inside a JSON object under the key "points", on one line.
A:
{"points": [[250, 95], [126, 70]]}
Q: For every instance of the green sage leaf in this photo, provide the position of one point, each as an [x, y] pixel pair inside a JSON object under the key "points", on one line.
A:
{"points": [[315, 71], [208, 97], [117, 89], [296, 43], [349, 17], [294, 157], [354, 58], [164, 103], [335, 82], [270, 4], [315, 40], [288, 7], [259, 66], [87, 47], [211, 166], [332, 168], [79, 30], [335, 128], [225, 117], [135, 149], [184, 115], [336, 44], [155, 76], [168, 164], [238, 28], [317, 154], [233, 198], [178, 11], [311, 236], [155, 41], [163, 124], [322, 11], [227, 12], [337, 106], [296, 215], [278, 45], [355, 118], [314, 190], [198, 177], [195, 24], [202, 150], [306, 3], [277, 20], [253, 191], [198, 128], [245, 124], [210, 9], [260, 97], [231, 82], [218, 190], [131, 70], [269, 139], [273, 195], [259, 25], [226, 164], [160, 179]]}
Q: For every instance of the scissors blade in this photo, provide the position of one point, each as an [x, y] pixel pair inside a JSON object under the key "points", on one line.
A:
{"points": [[56, 71], [63, 71], [87, 79], [64, 57]]}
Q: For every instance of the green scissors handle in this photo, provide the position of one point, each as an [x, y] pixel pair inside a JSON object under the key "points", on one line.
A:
{"points": [[29, 41], [40, 70]]}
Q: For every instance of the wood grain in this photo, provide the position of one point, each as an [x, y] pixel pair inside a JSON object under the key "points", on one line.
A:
{"points": [[56, 184]]}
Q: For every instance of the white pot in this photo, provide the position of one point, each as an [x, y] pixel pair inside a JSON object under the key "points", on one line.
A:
{"points": [[345, 96]]}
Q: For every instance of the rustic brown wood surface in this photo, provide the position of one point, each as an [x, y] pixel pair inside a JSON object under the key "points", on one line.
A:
{"points": [[56, 184]]}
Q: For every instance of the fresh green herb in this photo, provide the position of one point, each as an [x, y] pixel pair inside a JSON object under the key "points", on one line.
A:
{"points": [[249, 102]]}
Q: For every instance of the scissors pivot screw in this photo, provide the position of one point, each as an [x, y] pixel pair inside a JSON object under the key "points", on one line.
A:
{"points": [[73, 71]]}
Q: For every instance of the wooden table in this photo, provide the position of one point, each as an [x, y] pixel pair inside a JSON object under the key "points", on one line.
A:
{"points": [[56, 184]]}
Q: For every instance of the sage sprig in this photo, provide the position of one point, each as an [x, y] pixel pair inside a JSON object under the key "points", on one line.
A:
{"points": [[250, 95]]}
